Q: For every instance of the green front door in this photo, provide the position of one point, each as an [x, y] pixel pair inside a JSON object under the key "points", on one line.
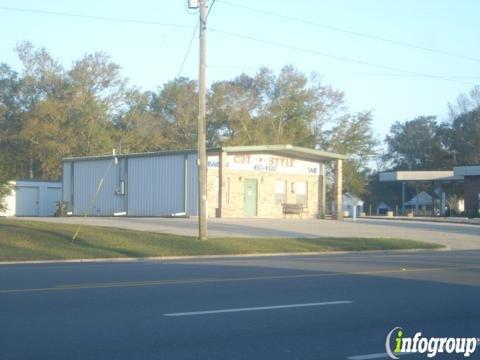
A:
{"points": [[250, 197]]}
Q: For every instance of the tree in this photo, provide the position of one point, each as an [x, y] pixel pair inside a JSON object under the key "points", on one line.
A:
{"points": [[177, 105], [462, 132], [235, 108], [465, 103], [464, 137], [418, 144], [11, 147], [352, 135], [49, 112], [140, 128], [5, 189], [265, 108]]}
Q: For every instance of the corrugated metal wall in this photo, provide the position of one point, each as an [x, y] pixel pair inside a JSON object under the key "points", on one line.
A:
{"points": [[86, 179], [154, 185], [36, 198]]}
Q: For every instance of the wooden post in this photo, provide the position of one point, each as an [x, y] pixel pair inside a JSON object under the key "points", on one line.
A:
{"points": [[322, 186], [338, 191]]}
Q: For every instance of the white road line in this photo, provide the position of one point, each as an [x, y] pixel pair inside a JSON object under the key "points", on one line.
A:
{"points": [[369, 356], [258, 308], [375, 356]]}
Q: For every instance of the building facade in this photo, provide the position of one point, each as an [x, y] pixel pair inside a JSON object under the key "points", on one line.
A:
{"points": [[471, 188], [252, 181]]}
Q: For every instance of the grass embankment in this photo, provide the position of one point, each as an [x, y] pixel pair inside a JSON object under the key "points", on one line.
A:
{"points": [[34, 240]]}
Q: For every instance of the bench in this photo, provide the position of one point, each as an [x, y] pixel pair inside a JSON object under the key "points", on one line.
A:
{"points": [[296, 209]]}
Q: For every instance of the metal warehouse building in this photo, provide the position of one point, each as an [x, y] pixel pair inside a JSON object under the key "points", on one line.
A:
{"points": [[242, 181], [32, 198]]}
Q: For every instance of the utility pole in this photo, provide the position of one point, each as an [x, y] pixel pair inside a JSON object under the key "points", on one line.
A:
{"points": [[202, 152]]}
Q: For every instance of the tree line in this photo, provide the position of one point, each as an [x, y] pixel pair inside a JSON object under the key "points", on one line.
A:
{"points": [[428, 143]]}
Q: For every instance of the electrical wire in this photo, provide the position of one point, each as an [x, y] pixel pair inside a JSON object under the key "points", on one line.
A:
{"points": [[251, 38], [191, 41], [188, 51], [336, 57], [350, 32], [94, 17], [210, 9], [214, 66]]}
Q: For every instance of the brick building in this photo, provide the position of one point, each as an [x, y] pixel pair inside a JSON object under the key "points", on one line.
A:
{"points": [[256, 181], [471, 188]]}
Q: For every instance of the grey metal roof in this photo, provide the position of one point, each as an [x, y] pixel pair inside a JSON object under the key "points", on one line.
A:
{"points": [[467, 170], [38, 180], [282, 150], [145, 154], [287, 150]]}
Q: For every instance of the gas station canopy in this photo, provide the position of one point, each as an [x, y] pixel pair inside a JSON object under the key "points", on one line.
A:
{"points": [[419, 176]]}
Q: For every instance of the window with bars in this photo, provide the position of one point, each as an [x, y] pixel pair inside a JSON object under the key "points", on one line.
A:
{"points": [[301, 193]]}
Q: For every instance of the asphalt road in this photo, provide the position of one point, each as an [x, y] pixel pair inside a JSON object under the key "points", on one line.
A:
{"points": [[314, 307], [453, 236]]}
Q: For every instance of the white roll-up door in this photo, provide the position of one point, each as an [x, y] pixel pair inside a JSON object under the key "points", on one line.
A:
{"points": [[27, 200]]}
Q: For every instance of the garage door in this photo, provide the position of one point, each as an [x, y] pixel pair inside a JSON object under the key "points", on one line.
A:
{"points": [[26, 201]]}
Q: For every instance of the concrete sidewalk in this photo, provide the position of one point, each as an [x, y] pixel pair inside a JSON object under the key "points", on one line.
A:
{"points": [[453, 236]]}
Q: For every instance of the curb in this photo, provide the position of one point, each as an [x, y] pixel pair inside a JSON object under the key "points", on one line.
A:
{"points": [[437, 221], [214, 257]]}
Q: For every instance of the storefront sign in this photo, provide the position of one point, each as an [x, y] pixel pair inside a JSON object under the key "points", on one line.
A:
{"points": [[266, 163]]}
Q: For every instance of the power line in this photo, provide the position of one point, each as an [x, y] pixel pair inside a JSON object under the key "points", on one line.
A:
{"points": [[193, 37], [351, 32], [188, 51], [147, 22], [336, 57], [210, 8], [345, 72], [95, 17]]}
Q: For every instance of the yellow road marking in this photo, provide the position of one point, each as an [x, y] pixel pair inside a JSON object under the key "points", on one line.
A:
{"points": [[127, 284]]}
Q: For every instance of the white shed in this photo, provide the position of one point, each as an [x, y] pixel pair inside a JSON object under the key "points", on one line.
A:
{"points": [[33, 198], [351, 204]]}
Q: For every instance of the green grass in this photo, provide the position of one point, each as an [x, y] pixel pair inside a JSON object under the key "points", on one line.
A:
{"points": [[34, 240]]}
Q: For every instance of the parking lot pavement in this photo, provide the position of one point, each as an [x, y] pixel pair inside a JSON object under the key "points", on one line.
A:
{"points": [[454, 236], [298, 307]]}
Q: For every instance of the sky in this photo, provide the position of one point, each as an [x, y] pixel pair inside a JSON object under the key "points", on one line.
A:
{"points": [[398, 88]]}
